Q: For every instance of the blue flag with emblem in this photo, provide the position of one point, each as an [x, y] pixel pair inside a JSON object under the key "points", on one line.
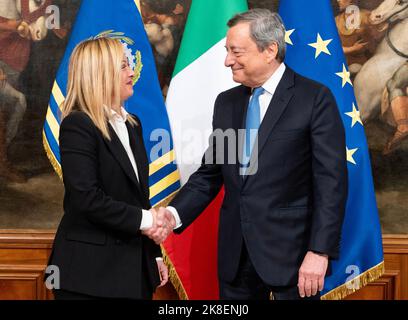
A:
{"points": [[121, 20], [314, 50]]}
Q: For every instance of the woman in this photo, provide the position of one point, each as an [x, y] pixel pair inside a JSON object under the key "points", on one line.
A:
{"points": [[99, 247]]}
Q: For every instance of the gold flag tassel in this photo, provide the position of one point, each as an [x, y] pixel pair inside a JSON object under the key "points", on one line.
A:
{"points": [[173, 275], [355, 284], [50, 155]]}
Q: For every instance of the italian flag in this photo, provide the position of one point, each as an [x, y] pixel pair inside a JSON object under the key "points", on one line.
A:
{"points": [[199, 76]]}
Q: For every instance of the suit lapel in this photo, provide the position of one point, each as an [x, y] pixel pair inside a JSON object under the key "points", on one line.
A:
{"points": [[139, 152], [279, 102], [118, 151]]}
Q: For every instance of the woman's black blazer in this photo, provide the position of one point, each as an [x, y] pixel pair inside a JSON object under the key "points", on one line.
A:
{"points": [[98, 247]]}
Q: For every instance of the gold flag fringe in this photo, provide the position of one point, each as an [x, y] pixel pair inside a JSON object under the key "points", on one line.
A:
{"points": [[355, 284], [51, 157], [173, 275]]}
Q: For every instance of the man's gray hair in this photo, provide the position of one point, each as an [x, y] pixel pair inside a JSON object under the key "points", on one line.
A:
{"points": [[266, 27]]}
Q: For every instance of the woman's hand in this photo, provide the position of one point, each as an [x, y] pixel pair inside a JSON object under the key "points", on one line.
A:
{"points": [[163, 272]]}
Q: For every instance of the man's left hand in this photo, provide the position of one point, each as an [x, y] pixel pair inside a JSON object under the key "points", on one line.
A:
{"points": [[311, 274]]}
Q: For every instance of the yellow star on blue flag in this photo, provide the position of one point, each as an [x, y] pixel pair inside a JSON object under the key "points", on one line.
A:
{"points": [[288, 33], [321, 45], [349, 153], [345, 76], [354, 115]]}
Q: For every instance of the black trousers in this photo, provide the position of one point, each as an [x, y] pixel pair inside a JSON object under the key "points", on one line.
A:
{"points": [[146, 294], [247, 285]]}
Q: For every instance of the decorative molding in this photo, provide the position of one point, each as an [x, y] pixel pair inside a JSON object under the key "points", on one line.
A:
{"points": [[395, 243], [26, 238], [16, 284]]}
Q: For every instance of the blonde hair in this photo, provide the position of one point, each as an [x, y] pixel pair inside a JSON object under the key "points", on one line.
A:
{"points": [[94, 81]]}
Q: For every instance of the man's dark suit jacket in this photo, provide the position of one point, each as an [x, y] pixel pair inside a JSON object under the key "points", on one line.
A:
{"points": [[295, 201], [98, 247]]}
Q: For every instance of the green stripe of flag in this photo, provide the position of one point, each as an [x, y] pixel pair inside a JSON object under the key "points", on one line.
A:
{"points": [[213, 29]]}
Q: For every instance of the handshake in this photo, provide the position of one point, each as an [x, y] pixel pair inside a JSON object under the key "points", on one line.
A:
{"points": [[163, 224]]}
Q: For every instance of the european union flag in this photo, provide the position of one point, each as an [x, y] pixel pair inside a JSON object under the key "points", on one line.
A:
{"points": [[314, 50], [122, 20]]}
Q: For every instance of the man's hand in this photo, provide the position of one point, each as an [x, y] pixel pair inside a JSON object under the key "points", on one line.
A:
{"points": [[311, 274], [163, 225], [163, 272]]}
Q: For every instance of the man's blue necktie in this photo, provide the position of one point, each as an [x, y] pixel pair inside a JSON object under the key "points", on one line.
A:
{"points": [[253, 121]]}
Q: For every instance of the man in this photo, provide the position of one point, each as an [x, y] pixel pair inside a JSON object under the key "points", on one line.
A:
{"points": [[282, 213]]}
